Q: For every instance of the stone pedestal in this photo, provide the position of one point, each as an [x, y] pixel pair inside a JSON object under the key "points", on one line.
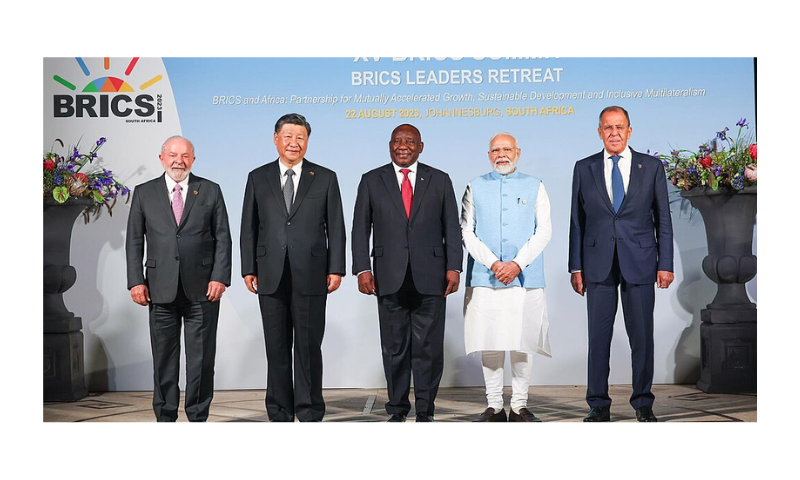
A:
{"points": [[728, 331], [728, 358], [63, 339]]}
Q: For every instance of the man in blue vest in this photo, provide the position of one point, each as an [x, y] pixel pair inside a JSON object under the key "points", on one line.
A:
{"points": [[505, 225]]}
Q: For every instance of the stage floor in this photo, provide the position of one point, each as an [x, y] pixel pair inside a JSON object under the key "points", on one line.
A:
{"points": [[674, 403]]}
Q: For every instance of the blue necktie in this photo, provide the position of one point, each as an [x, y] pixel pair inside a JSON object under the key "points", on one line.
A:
{"points": [[617, 188]]}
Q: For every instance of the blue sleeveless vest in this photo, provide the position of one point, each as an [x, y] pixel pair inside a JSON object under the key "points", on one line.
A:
{"points": [[505, 219]]}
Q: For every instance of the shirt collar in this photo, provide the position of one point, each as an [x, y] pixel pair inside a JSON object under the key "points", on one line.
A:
{"points": [[171, 183], [297, 167], [412, 167], [625, 154]]}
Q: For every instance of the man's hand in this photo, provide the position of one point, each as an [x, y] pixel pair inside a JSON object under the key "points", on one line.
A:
{"points": [[251, 282], [453, 279], [506, 272], [664, 278], [141, 295], [366, 283], [215, 291], [577, 283], [334, 281]]}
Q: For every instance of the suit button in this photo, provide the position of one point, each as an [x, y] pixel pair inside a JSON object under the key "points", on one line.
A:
{"points": [[177, 258], [613, 238], [178, 236], [288, 223]]}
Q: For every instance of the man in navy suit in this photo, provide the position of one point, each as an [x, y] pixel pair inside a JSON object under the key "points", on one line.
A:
{"points": [[620, 242], [410, 210]]}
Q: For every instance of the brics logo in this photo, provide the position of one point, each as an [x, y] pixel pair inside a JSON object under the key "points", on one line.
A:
{"points": [[108, 97]]}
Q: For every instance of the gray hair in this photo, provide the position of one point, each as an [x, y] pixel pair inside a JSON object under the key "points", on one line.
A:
{"points": [[176, 137], [503, 134], [613, 108]]}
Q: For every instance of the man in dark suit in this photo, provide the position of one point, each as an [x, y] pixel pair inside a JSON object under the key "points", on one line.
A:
{"points": [[292, 246], [183, 220], [410, 210], [620, 241]]}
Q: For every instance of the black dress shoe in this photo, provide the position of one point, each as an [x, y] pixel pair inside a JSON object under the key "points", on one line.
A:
{"points": [[524, 415], [396, 417], [598, 414], [424, 417], [489, 415], [645, 414]]}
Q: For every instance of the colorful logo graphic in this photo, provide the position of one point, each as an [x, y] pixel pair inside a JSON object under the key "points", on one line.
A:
{"points": [[109, 96], [107, 84]]}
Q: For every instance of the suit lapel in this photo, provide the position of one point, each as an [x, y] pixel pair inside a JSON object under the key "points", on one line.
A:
{"points": [[420, 187], [389, 177], [635, 179], [598, 172], [162, 197], [306, 178], [273, 181], [188, 199]]}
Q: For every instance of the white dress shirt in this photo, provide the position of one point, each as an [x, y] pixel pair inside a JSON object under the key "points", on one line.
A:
{"points": [[412, 175], [298, 169], [171, 186]]}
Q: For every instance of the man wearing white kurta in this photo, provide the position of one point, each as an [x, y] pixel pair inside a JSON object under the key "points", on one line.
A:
{"points": [[505, 224]]}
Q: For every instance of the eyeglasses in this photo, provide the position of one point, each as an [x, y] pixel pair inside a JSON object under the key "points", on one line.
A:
{"points": [[497, 151]]}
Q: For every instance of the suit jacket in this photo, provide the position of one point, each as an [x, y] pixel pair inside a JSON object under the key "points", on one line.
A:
{"points": [[430, 241], [641, 231], [198, 249], [312, 233]]}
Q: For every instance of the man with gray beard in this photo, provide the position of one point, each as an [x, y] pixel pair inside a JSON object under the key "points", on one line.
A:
{"points": [[505, 225]]}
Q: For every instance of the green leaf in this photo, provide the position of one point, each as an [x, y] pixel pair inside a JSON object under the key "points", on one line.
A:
{"points": [[98, 197], [714, 181], [61, 194]]}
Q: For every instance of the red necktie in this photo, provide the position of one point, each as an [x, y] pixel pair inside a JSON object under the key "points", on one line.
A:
{"points": [[405, 191]]}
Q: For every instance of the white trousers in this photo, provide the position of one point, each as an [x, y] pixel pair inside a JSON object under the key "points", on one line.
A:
{"points": [[493, 362]]}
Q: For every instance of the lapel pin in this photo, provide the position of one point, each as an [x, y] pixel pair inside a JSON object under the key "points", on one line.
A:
{"points": [[311, 173], [195, 192], [639, 165]]}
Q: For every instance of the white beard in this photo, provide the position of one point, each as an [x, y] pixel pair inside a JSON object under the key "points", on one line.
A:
{"points": [[507, 168]]}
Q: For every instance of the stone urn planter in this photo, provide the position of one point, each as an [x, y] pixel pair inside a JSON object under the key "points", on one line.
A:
{"points": [[63, 339], [728, 329]]}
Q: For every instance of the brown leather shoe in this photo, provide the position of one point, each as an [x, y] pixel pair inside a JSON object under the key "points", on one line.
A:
{"points": [[524, 415], [489, 415]]}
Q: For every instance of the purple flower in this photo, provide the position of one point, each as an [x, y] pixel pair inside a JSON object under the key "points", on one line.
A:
{"points": [[742, 122], [722, 135], [101, 141], [58, 179]]}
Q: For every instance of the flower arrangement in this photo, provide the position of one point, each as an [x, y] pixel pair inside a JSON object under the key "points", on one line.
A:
{"points": [[76, 176], [722, 162]]}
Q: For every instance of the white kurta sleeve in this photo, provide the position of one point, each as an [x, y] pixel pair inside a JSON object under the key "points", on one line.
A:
{"points": [[541, 237], [479, 251]]}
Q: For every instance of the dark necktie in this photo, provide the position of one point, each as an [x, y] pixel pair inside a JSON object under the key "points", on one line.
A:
{"points": [[406, 192], [617, 187], [177, 204], [288, 190]]}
